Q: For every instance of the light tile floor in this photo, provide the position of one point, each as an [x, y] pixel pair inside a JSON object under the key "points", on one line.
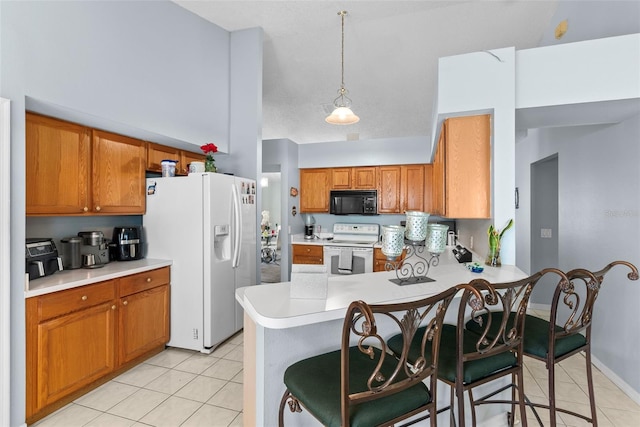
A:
{"points": [[190, 389], [174, 388]]}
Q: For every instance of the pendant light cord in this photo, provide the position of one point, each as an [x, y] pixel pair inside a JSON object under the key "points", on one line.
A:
{"points": [[342, 14]]}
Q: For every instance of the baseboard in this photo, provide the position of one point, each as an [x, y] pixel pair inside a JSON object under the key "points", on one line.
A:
{"points": [[623, 385], [626, 388]]}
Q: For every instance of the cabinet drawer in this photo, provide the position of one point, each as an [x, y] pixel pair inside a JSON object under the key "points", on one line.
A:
{"points": [[307, 254], [307, 250], [59, 303], [143, 281]]}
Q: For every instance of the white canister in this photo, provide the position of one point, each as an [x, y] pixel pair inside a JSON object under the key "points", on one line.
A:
{"points": [[416, 223], [392, 240], [436, 238], [196, 167], [168, 167]]}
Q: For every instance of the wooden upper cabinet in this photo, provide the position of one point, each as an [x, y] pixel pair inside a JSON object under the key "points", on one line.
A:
{"points": [[74, 170], [341, 178], [314, 190], [389, 189], [412, 187], [156, 153], [57, 166], [186, 157], [356, 178], [464, 154], [402, 188], [118, 174], [365, 178]]}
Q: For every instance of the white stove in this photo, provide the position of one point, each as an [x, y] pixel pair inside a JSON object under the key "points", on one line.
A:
{"points": [[356, 235], [351, 250]]}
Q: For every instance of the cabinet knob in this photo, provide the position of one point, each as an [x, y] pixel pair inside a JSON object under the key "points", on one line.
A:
{"points": [[98, 208], [148, 279], [125, 302], [86, 209], [113, 307], [84, 297]]}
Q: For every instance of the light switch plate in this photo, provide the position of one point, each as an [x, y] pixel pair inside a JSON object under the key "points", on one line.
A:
{"points": [[545, 233]]}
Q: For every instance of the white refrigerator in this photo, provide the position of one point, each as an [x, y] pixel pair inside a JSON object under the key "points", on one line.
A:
{"points": [[206, 224]]}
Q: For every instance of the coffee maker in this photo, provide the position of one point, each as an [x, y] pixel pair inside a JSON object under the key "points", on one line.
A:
{"points": [[309, 222], [128, 243], [95, 251]]}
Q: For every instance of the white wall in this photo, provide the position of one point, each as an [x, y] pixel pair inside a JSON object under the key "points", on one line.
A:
{"points": [[135, 67], [479, 83], [282, 155], [599, 221], [389, 151]]}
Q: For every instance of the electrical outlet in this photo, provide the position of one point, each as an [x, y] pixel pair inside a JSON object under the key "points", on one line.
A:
{"points": [[471, 243], [545, 233]]}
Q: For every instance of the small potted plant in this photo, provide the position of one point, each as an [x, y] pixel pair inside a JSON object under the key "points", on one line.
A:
{"points": [[209, 162], [495, 235]]}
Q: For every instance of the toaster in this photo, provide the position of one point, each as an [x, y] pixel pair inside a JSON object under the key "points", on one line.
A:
{"points": [[41, 258]]}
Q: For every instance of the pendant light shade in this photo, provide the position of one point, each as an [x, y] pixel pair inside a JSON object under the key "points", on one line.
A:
{"points": [[342, 114]]}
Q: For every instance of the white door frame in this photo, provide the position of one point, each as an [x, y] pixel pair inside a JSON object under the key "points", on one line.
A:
{"points": [[5, 261]]}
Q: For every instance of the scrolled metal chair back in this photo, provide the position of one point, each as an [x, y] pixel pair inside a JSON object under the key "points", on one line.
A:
{"points": [[573, 302], [364, 323], [510, 301]]}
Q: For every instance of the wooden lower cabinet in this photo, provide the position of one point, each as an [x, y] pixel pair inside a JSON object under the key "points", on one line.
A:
{"points": [[138, 332], [308, 254], [79, 338]]}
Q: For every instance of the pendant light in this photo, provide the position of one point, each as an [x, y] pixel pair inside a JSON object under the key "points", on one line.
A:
{"points": [[342, 114]]}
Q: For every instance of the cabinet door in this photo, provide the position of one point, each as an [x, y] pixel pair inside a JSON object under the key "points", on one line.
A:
{"points": [[156, 153], [118, 174], [468, 167], [314, 190], [365, 178], [57, 166], [389, 189], [341, 178], [73, 351], [412, 188], [143, 322], [186, 157], [438, 187]]}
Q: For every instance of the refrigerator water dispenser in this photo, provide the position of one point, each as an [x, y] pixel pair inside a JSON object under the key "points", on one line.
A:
{"points": [[222, 242]]}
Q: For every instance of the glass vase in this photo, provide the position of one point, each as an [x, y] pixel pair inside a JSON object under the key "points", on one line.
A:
{"points": [[209, 165], [493, 256]]}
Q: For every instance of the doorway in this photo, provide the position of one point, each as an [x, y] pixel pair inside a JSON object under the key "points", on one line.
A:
{"points": [[544, 222], [270, 224]]}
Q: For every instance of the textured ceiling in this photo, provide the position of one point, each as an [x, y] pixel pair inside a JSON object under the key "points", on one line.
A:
{"points": [[391, 57]]}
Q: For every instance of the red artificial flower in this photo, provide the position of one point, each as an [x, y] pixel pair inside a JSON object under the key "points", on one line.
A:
{"points": [[209, 148]]}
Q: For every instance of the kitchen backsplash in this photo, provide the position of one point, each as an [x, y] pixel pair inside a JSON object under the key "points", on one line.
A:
{"points": [[59, 227]]}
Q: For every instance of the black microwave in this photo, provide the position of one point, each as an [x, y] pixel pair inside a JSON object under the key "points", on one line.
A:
{"points": [[353, 202]]}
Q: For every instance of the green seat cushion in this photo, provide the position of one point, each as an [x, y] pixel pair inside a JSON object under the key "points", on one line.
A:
{"points": [[474, 370], [536, 335], [315, 382]]}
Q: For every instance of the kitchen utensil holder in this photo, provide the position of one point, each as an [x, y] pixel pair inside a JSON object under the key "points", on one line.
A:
{"points": [[414, 267]]}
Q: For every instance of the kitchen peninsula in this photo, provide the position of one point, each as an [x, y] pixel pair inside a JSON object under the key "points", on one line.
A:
{"points": [[279, 330]]}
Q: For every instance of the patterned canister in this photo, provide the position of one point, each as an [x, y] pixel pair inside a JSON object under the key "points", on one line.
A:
{"points": [[436, 238], [392, 240], [416, 229]]}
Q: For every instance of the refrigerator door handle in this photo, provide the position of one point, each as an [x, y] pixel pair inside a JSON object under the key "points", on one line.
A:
{"points": [[238, 227]]}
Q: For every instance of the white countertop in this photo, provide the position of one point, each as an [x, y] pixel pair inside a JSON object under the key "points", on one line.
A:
{"points": [[67, 279], [270, 306]]}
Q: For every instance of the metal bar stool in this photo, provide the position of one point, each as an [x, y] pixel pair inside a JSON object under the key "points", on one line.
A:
{"points": [[468, 360], [364, 384], [568, 331]]}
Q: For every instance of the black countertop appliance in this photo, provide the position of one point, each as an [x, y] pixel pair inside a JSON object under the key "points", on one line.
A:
{"points": [[128, 243], [41, 258]]}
